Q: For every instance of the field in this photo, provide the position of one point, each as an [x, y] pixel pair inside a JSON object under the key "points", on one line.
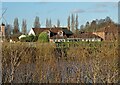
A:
{"points": [[77, 62]]}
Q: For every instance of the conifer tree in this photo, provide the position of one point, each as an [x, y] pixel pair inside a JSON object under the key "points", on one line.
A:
{"points": [[24, 27], [58, 23], [72, 23], [68, 22]]}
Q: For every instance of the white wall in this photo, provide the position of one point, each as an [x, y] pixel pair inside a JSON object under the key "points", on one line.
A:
{"points": [[31, 32]]}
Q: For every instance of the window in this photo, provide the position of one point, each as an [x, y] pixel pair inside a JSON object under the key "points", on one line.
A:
{"points": [[93, 39], [82, 39], [60, 33]]}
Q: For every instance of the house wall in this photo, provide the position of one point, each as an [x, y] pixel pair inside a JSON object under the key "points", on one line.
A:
{"points": [[31, 32], [60, 33], [109, 36], [57, 40], [75, 40], [100, 34], [51, 40], [91, 39], [48, 33]]}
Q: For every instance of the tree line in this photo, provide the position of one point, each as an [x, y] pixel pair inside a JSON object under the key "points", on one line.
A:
{"points": [[72, 24], [95, 25]]}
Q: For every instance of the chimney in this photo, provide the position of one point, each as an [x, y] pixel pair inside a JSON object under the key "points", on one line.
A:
{"points": [[3, 29]]}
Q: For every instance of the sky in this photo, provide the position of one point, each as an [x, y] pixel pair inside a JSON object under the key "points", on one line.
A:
{"points": [[59, 0], [87, 11]]}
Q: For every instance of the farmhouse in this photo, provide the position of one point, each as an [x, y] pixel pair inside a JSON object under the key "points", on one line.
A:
{"points": [[63, 34], [60, 34], [108, 33], [59, 31], [56, 34]]}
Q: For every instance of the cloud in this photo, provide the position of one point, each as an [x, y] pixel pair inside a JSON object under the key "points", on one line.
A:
{"points": [[101, 5], [99, 10], [78, 11]]}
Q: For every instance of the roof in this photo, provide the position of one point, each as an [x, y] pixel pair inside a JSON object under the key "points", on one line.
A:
{"points": [[15, 36], [54, 30], [2, 24], [39, 30], [21, 36], [67, 31]]}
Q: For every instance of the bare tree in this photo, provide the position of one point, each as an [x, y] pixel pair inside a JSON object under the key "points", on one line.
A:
{"points": [[73, 23], [16, 26], [81, 63], [76, 24], [50, 23], [58, 23], [47, 23], [18, 57], [36, 22], [24, 27], [8, 30], [68, 22]]}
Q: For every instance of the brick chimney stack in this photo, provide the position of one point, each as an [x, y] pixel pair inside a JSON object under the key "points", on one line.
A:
{"points": [[3, 29]]}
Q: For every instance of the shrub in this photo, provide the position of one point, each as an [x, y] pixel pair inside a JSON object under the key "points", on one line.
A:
{"points": [[43, 37], [29, 38]]}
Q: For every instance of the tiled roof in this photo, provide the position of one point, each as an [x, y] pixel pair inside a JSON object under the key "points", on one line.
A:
{"points": [[39, 30], [67, 31], [53, 30], [15, 36]]}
